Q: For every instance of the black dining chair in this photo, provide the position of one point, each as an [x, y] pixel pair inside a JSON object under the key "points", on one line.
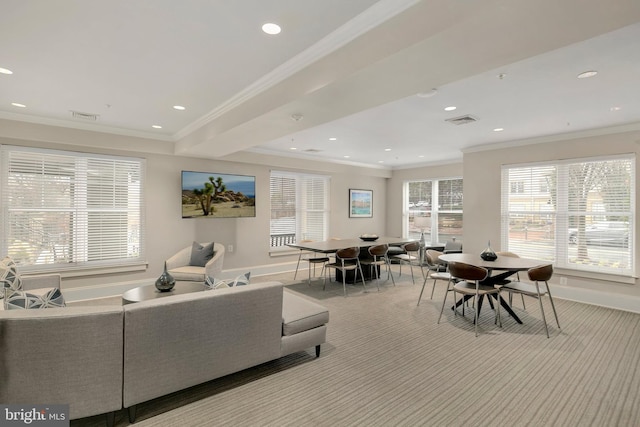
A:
{"points": [[540, 287], [435, 270], [411, 257], [347, 259], [379, 258], [469, 278]]}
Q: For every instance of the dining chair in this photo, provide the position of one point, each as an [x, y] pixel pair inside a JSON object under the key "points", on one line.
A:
{"points": [[313, 260], [540, 287], [469, 278], [347, 259], [411, 257], [512, 255], [435, 270], [379, 258], [452, 247]]}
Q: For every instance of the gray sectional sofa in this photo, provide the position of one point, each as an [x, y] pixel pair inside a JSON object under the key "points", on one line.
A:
{"points": [[104, 358]]}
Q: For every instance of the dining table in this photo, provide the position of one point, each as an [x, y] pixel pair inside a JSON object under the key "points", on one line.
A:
{"points": [[334, 245], [499, 271]]}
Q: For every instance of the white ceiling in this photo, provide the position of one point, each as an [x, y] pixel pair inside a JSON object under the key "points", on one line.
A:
{"points": [[351, 69]]}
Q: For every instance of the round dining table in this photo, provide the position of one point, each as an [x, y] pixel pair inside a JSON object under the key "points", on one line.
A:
{"points": [[499, 270]]}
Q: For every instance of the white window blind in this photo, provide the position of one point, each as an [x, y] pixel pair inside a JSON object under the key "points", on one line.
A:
{"points": [[299, 207], [578, 214], [434, 207], [71, 209]]}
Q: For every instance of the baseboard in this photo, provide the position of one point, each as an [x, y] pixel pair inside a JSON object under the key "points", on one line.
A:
{"points": [[602, 299]]}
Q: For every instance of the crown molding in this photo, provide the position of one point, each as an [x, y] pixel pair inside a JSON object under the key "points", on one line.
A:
{"points": [[365, 21]]}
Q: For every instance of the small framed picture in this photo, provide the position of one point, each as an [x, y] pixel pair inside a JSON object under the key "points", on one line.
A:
{"points": [[360, 203]]}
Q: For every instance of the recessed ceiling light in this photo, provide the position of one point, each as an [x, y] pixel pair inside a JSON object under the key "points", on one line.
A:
{"points": [[179, 107], [15, 104], [428, 94], [156, 126], [615, 108], [387, 149], [292, 148], [271, 28], [451, 108], [346, 157], [498, 129], [587, 74], [380, 161], [5, 71], [333, 139], [421, 155]]}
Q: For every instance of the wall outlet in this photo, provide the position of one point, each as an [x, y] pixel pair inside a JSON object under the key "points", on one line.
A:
{"points": [[229, 248], [563, 280]]}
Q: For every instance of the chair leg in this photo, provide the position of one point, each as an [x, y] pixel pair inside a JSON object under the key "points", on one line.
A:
{"points": [[444, 301], [359, 267], [344, 282], [544, 319], [411, 268], [553, 306], [297, 265], [420, 297]]}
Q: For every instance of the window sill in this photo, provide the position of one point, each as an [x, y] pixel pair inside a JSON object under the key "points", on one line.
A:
{"points": [[283, 251], [86, 270], [607, 277]]}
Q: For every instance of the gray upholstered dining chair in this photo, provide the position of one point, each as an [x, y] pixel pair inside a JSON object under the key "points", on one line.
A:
{"points": [[379, 258], [411, 257], [347, 259], [435, 270], [540, 287], [469, 278]]}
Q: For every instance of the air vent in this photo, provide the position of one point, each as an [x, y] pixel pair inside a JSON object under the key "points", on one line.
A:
{"points": [[462, 120], [312, 150], [84, 116]]}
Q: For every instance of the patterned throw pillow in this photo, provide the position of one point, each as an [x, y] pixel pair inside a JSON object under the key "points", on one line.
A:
{"points": [[9, 277], [20, 300], [213, 283]]}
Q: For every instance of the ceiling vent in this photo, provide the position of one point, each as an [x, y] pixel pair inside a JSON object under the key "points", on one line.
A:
{"points": [[312, 150], [84, 116], [462, 120]]}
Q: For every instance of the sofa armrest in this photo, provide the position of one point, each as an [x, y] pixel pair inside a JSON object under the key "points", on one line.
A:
{"points": [[41, 281]]}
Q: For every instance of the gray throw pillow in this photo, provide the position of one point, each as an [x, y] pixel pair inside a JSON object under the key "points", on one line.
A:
{"points": [[200, 255]]}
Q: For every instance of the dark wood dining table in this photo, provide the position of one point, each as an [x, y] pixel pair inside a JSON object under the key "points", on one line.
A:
{"points": [[504, 266], [334, 245]]}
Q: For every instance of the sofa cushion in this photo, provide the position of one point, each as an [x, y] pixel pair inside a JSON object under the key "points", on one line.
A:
{"points": [[213, 283], [200, 255], [9, 277], [20, 300], [299, 314], [188, 273]]}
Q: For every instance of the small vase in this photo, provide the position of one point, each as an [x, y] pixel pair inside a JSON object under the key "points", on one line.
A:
{"points": [[165, 282], [488, 254]]}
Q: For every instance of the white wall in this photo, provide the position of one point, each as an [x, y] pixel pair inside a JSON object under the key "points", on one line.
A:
{"points": [[167, 231], [481, 171]]}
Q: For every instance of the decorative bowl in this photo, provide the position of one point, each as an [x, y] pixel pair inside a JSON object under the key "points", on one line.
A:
{"points": [[369, 237]]}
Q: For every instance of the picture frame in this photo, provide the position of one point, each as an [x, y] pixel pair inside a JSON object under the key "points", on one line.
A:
{"points": [[360, 203]]}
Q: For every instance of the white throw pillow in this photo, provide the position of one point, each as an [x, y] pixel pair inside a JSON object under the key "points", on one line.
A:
{"points": [[213, 283], [9, 277]]}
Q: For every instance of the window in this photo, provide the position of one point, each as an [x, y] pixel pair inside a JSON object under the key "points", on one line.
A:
{"points": [[71, 210], [299, 207], [581, 218], [435, 209]]}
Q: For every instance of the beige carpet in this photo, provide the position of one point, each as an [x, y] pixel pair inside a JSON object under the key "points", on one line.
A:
{"points": [[388, 363]]}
